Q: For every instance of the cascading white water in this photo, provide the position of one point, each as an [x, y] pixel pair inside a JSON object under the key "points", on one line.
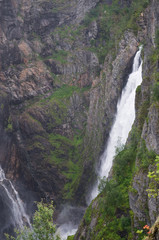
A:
{"points": [[13, 201], [123, 122], [122, 125]]}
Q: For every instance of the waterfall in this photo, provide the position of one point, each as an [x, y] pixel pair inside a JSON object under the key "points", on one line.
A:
{"points": [[123, 122], [122, 125], [12, 201]]}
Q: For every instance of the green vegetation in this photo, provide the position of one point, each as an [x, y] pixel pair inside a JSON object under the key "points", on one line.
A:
{"points": [[154, 180], [145, 156], [155, 90], [59, 56], [66, 155], [64, 92], [142, 113], [70, 237], [147, 233], [57, 138], [113, 20], [42, 226], [157, 39], [66, 151], [154, 58], [9, 126], [113, 212], [67, 33]]}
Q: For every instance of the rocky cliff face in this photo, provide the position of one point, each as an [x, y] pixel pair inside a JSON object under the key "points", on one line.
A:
{"points": [[144, 208], [45, 77], [62, 71], [35, 60], [51, 81]]}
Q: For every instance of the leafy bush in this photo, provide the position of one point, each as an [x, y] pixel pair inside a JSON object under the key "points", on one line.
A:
{"points": [[42, 227], [154, 177], [155, 91], [114, 201], [144, 155], [157, 38]]}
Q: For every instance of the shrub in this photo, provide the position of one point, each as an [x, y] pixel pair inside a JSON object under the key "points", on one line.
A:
{"points": [[155, 91], [42, 226]]}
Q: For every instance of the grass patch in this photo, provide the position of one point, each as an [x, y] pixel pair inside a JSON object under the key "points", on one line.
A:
{"points": [[64, 92], [66, 154], [59, 56]]}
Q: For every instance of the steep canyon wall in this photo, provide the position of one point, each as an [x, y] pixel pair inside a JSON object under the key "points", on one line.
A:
{"points": [[63, 65]]}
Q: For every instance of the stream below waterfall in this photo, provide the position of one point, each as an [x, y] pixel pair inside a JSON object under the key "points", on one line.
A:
{"points": [[123, 122]]}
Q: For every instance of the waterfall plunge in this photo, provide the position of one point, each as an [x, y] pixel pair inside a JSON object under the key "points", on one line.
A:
{"points": [[123, 122]]}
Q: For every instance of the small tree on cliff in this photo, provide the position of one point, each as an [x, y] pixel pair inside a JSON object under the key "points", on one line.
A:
{"points": [[42, 227]]}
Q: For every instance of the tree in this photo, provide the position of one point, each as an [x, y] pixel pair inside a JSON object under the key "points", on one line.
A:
{"points": [[42, 226]]}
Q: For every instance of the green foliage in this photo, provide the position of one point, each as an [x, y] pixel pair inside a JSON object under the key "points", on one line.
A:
{"points": [[73, 174], [114, 218], [59, 56], [55, 145], [144, 155], [9, 127], [154, 57], [142, 113], [42, 227], [70, 237], [67, 33], [155, 91], [113, 197], [88, 215], [157, 38], [138, 90], [154, 180], [64, 92], [66, 154], [113, 20]]}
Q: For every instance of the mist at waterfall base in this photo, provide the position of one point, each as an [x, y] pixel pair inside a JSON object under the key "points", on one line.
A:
{"points": [[68, 220], [123, 122], [12, 209]]}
